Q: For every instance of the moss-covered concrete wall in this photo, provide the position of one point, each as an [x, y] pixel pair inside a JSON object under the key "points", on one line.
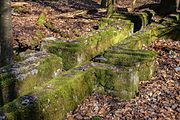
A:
{"points": [[144, 37], [33, 70], [140, 60], [119, 65], [140, 19], [77, 51], [52, 100], [121, 82], [55, 98]]}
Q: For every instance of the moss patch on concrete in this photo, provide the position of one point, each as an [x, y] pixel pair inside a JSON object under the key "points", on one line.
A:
{"points": [[18, 79], [140, 19], [174, 34], [144, 37], [77, 51], [141, 60], [54, 99], [119, 82], [125, 57]]}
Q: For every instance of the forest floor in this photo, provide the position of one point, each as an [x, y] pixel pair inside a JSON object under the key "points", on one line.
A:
{"points": [[157, 99], [69, 19]]}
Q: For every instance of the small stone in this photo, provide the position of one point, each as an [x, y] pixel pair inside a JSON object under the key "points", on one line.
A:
{"points": [[2, 116], [79, 117], [174, 106], [27, 100], [100, 59], [178, 109], [177, 69], [34, 72], [96, 27], [50, 39], [82, 68], [56, 73]]}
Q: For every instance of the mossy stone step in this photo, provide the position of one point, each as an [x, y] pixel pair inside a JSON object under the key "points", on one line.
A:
{"points": [[82, 49], [33, 70], [106, 22], [123, 57], [174, 34], [144, 37], [54, 99], [121, 82], [140, 60], [175, 16]]}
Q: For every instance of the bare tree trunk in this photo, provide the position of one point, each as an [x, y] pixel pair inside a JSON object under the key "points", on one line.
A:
{"points": [[6, 36], [168, 6], [178, 5], [110, 7], [103, 3], [133, 4]]}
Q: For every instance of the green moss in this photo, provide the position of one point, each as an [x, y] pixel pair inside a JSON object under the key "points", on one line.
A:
{"points": [[140, 19], [96, 118], [41, 19], [70, 52], [174, 34], [105, 22], [55, 98], [146, 70], [144, 37], [8, 87], [140, 60], [161, 30], [119, 82], [44, 70], [144, 18], [16, 111], [85, 48], [124, 57]]}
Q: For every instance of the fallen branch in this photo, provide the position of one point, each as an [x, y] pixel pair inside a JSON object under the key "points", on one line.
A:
{"points": [[18, 4]]}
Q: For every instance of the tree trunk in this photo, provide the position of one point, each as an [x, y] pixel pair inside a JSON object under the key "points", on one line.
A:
{"points": [[110, 8], [168, 6], [133, 5], [178, 5], [6, 36], [103, 3]]}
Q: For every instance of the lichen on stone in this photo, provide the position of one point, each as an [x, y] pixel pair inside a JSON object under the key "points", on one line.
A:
{"points": [[33, 70], [85, 48], [55, 98]]}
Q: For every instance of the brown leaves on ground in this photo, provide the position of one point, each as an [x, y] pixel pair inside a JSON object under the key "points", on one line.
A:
{"points": [[158, 99], [70, 17], [70, 21]]}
